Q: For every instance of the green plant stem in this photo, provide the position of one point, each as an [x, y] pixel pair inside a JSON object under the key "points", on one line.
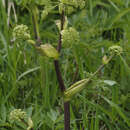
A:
{"points": [[7, 126], [35, 22], [75, 74], [102, 66], [60, 80], [35, 26]]}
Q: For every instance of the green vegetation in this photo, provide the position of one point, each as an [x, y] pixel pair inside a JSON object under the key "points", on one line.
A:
{"points": [[65, 65]]}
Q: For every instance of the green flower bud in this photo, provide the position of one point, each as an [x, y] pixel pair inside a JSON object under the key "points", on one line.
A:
{"points": [[61, 7], [44, 14], [49, 51], [21, 32], [74, 89], [58, 24], [69, 36], [81, 4], [17, 115], [30, 124], [31, 42], [116, 50], [105, 60]]}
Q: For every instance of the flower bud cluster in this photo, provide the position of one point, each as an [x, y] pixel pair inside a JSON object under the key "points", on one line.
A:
{"points": [[44, 14], [116, 50], [69, 36], [70, 10], [46, 11], [17, 115], [75, 3], [81, 3], [21, 32], [72, 4]]}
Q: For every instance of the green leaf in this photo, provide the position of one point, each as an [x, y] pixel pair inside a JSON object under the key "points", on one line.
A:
{"points": [[109, 82], [27, 72], [108, 113], [3, 113], [118, 17], [118, 109]]}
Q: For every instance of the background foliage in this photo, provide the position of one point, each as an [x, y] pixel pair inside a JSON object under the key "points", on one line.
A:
{"points": [[28, 80]]}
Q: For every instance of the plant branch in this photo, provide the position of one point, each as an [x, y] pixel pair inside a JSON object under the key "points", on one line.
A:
{"points": [[59, 76], [56, 62], [102, 66], [80, 85], [62, 26], [60, 80], [67, 115]]}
